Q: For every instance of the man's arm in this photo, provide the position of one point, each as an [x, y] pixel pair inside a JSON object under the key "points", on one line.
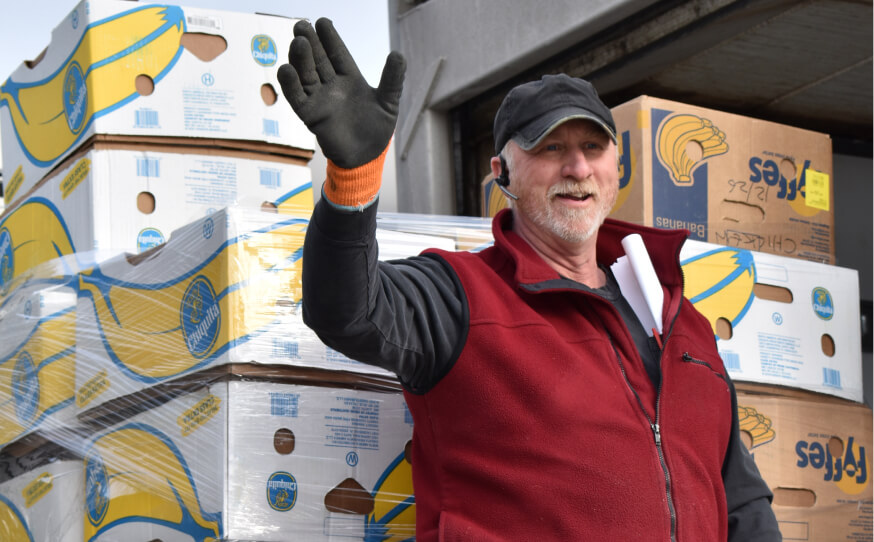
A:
{"points": [[750, 517], [406, 316]]}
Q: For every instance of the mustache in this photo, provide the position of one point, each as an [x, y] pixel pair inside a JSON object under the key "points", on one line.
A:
{"points": [[573, 189]]}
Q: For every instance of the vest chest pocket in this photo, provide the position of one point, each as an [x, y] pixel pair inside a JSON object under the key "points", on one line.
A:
{"points": [[692, 361]]}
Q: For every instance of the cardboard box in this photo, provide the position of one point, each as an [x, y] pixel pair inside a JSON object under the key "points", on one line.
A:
{"points": [[223, 289], [45, 503], [37, 359], [729, 179], [116, 67], [779, 320], [815, 455], [254, 460], [113, 197]]}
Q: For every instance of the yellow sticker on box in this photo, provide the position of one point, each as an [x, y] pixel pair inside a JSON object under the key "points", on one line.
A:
{"points": [[37, 489], [817, 190], [199, 414], [78, 174]]}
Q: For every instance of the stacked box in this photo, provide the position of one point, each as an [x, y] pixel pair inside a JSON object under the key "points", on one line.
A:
{"points": [[254, 460], [223, 289], [728, 179], [113, 67], [41, 496], [815, 455], [37, 359], [129, 198], [779, 320]]}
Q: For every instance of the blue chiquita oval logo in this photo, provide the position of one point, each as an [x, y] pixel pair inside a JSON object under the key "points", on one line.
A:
{"points": [[281, 491], [75, 97], [201, 317], [149, 238], [264, 50], [96, 488], [7, 261], [25, 388], [823, 305]]}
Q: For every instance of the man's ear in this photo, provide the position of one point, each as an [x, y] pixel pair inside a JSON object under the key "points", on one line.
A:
{"points": [[496, 166]]}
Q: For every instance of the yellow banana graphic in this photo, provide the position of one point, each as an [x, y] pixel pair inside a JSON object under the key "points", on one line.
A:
{"points": [[136, 473], [757, 425], [299, 198], [32, 234], [189, 320], [720, 283], [13, 526], [51, 115], [37, 379], [673, 136], [394, 508]]}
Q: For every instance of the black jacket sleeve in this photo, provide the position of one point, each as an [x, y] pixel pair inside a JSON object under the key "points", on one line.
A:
{"points": [[407, 316], [750, 517]]}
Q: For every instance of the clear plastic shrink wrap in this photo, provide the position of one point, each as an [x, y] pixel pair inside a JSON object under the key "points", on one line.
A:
{"points": [[176, 394]]}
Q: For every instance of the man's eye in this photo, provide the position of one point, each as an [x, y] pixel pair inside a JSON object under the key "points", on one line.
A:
{"points": [[551, 147]]}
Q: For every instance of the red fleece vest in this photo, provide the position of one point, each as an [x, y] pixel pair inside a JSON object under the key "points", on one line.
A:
{"points": [[543, 429]]}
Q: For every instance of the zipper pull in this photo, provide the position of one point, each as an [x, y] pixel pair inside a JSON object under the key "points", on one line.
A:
{"points": [[657, 433]]}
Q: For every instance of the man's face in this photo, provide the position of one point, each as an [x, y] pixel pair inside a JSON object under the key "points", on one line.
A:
{"points": [[568, 183]]}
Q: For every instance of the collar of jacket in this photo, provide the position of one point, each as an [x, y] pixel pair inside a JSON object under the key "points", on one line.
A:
{"points": [[663, 246]]}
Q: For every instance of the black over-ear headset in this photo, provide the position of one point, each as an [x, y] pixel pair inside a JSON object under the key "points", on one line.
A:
{"points": [[503, 181]]}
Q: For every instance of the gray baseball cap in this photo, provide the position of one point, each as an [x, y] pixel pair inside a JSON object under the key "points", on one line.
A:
{"points": [[532, 110]]}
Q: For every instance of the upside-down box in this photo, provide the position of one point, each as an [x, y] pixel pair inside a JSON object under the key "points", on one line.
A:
{"points": [[815, 455], [779, 320], [728, 179], [254, 460], [223, 289], [113, 197], [116, 67]]}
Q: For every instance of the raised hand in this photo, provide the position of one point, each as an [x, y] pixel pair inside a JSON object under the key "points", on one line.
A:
{"points": [[352, 121]]}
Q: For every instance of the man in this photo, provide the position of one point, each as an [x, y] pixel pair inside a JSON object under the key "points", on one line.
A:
{"points": [[542, 409]]}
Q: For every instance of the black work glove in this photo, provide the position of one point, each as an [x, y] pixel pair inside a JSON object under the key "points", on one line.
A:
{"points": [[352, 121]]}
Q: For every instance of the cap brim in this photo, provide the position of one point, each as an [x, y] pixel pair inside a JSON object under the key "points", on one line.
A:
{"points": [[531, 135]]}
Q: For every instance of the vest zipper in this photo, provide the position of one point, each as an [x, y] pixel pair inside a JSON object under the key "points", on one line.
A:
{"points": [[657, 438]]}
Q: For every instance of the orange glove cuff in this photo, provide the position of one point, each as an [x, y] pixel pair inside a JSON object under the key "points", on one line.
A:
{"points": [[354, 187]]}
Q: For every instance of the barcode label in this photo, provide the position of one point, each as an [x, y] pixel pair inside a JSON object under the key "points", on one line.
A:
{"points": [[204, 22], [831, 377], [271, 127], [285, 349], [731, 361], [271, 178], [148, 167], [145, 118], [284, 404]]}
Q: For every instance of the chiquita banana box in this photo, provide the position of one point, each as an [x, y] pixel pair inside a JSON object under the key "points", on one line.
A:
{"points": [[779, 320], [111, 199], [728, 179], [37, 358], [815, 455], [45, 503], [116, 67], [254, 460], [223, 289]]}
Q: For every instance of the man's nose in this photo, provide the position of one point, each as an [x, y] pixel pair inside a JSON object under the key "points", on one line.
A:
{"points": [[576, 165]]}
